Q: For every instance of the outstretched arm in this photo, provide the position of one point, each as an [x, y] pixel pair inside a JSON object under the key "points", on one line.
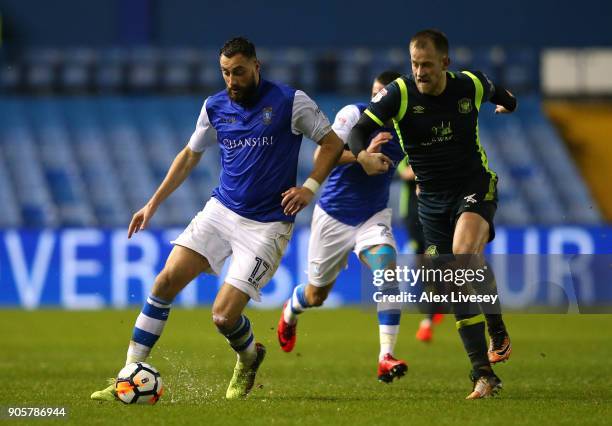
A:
{"points": [[182, 165], [373, 163], [330, 150], [375, 146], [203, 137], [345, 158], [344, 122], [505, 101], [495, 93], [384, 106]]}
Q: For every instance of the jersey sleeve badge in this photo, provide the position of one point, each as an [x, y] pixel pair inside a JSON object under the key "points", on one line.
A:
{"points": [[379, 95]]}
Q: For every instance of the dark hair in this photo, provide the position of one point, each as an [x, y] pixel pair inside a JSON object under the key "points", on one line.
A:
{"points": [[238, 45], [437, 37], [387, 77]]}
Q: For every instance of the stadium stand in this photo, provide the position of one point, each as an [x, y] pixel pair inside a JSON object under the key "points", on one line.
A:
{"points": [[100, 146]]}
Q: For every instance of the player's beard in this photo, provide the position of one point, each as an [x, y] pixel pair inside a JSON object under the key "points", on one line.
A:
{"points": [[243, 94]]}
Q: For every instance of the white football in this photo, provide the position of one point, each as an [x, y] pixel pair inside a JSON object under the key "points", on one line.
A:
{"points": [[139, 383]]}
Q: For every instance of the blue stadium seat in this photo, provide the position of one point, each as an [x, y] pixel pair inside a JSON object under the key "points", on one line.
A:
{"points": [[76, 74], [557, 163], [355, 70], [41, 69], [99, 173], [179, 69], [11, 77], [521, 70], [461, 58], [110, 73], [515, 211], [30, 186], [392, 59], [96, 160], [489, 60], [143, 70], [10, 217], [208, 76]]}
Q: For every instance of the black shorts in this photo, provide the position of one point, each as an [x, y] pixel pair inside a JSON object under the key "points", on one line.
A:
{"points": [[440, 210]]}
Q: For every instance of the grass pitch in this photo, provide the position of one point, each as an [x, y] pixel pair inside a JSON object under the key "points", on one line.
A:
{"points": [[560, 371]]}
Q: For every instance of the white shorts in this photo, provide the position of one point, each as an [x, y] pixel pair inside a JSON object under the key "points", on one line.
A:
{"points": [[331, 241], [256, 247]]}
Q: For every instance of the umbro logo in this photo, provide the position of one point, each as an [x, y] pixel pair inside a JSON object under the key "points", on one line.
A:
{"points": [[470, 198], [418, 109]]}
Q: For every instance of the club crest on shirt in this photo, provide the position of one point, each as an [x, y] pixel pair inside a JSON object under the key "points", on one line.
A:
{"points": [[267, 115], [431, 251], [465, 105], [379, 95]]}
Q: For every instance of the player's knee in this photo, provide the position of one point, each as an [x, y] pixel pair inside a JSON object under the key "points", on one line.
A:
{"points": [[467, 247], [164, 285]]}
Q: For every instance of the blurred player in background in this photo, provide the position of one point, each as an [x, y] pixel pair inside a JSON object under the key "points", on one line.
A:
{"points": [[352, 215], [409, 211], [436, 115], [258, 126]]}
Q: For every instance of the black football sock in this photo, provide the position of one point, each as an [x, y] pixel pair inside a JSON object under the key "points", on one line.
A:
{"points": [[472, 332]]}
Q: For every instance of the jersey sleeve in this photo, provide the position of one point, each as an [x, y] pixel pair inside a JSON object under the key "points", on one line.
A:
{"points": [[385, 105], [403, 164], [346, 118], [307, 118], [204, 136], [488, 88]]}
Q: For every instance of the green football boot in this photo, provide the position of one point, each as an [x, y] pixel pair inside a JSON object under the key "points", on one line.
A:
{"points": [[244, 375], [106, 394]]}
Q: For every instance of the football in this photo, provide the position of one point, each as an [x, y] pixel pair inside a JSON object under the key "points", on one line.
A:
{"points": [[139, 383]]}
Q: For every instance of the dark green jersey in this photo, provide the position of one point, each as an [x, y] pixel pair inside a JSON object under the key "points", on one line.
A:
{"points": [[438, 133]]}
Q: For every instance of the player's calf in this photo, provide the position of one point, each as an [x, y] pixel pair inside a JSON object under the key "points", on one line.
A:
{"points": [[148, 328], [239, 336]]}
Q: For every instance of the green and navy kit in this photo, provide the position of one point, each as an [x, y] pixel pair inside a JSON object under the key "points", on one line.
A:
{"points": [[350, 195], [439, 134], [259, 143]]}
